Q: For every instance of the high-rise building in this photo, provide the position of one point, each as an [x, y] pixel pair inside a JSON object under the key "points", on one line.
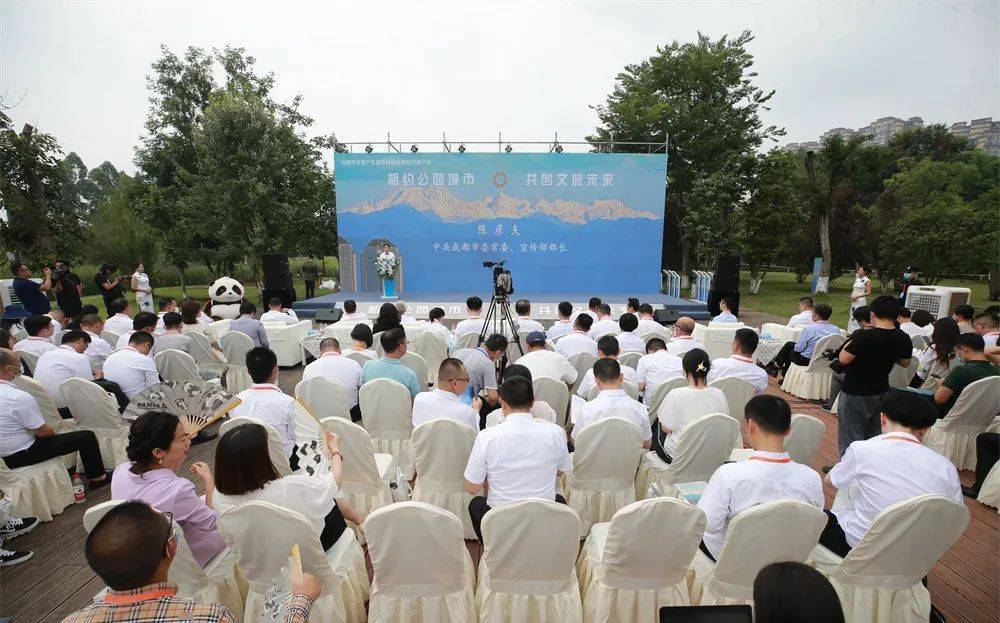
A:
{"points": [[983, 133], [370, 281], [882, 130], [348, 266], [844, 133], [805, 146]]}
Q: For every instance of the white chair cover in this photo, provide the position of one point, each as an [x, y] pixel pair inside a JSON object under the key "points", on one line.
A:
{"points": [[434, 349], [803, 438], [527, 572], [359, 357], [215, 583], [629, 388], [42, 490], [418, 364], [630, 359], [366, 475], [955, 435], [605, 460], [217, 328], [325, 397], [660, 391], [989, 492], [581, 362], [110, 338], [387, 414], [207, 357], [660, 333], [738, 393], [262, 535], [30, 359], [900, 377], [555, 393], [57, 336], [176, 365], [441, 451], [466, 340], [513, 352], [704, 445], [784, 530], [284, 340], [275, 444], [920, 342], [422, 569], [96, 410], [880, 579], [623, 579], [717, 337], [812, 382], [51, 414], [235, 346]]}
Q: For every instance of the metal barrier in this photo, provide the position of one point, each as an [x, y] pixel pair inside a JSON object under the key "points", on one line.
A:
{"points": [[671, 283], [700, 285]]}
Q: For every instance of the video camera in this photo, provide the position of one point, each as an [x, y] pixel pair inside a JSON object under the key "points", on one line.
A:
{"points": [[503, 284]]}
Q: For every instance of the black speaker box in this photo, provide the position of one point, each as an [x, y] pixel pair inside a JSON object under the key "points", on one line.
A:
{"points": [[328, 315], [666, 316], [287, 296], [727, 274], [277, 274], [714, 296]]}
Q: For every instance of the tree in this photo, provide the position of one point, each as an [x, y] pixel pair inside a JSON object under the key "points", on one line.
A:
{"points": [[116, 234], [703, 96]]}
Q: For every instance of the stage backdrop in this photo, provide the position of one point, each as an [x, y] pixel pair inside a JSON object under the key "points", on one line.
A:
{"points": [[564, 222]]}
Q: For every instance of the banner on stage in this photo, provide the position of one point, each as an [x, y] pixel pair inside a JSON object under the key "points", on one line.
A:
{"points": [[563, 222]]}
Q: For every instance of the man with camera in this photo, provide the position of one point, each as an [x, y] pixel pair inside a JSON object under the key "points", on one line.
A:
{"points": [[32, 295], [109, 285], [68, 289]]}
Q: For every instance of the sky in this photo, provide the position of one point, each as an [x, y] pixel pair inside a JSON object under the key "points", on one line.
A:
{"points": [[473, 70]]}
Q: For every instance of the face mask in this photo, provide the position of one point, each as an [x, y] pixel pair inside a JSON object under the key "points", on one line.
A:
{"points": [[906, 275]]}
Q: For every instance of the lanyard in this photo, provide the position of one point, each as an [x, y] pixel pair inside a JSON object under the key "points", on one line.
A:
{"points": [[901, 438], [767, 459], [123, 600]]}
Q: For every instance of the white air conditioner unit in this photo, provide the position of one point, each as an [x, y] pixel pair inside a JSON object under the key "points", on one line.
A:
{"points": [[940, 301]]}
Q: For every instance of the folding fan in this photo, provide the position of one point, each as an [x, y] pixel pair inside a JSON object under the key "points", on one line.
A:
{"points": [[196, 403]]}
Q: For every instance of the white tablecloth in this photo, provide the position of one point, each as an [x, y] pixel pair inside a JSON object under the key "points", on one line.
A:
{"points": [[767, 350]]}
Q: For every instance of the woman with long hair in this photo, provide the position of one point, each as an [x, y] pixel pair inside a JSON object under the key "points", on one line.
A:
{"points": [[388, 318], [684, 405], [937, 360]]}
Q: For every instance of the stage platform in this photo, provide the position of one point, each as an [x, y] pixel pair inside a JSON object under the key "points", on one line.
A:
{"points": [[543, 304]]}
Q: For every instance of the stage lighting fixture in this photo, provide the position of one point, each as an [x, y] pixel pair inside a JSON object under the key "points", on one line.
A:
{"points": [[461, 148], [508, 148], [413, 149], [559, 148], [369, 149]]}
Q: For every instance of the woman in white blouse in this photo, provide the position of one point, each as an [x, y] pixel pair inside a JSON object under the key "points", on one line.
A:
{"points": [[244, 473], [684, 405], [363, 338], [141, 288], [937, 360], [859, 295]]}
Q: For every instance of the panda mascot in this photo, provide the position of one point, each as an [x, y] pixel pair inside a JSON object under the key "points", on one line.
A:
{"points": [[226, 294]]}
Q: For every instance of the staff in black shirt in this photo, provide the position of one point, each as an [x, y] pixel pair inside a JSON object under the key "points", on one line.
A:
{"points": [[109, 285], [68, 288]]}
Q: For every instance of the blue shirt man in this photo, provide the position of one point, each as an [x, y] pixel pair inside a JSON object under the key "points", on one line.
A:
{"points": [[812, 334], [31, 294], [390, 367]]}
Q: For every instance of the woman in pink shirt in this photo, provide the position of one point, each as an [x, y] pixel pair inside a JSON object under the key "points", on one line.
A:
{"points": [[157, 446]]}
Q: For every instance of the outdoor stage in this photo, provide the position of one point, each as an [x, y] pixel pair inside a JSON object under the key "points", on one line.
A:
{"points": [[543, 304]]}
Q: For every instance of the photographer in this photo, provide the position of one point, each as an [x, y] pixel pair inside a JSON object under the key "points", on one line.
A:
{"points": [[109, 285], [68, 288], [862, 318], [31, 294]]}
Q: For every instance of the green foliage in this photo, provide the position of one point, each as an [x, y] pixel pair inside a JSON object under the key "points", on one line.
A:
{"points": [[117, 236]]}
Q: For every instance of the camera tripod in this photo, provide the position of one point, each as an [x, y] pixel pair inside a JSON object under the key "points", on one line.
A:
{"points": [[496, 322]]}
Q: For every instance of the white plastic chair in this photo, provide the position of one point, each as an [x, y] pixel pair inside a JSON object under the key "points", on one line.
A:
{"points": [[235, 346], [954, 436], [96, 410], [387, 415], [434, 349], [30, 359], [367, 475], [553, 392], [215, 583], [527, 572], [418, 364], [812, 382], [111, 338], [262, 535], [176, 365], [660, 391], [804, 436], [422, 569], [51, 414], [324, 396], [704, 445], [42, 490], [900, 377], [204, 355], [466, 340], [606, 456], [275, 444], [441, 451], [880, 579], [622, 578], [784, 530], [581, 362], [738, 393]]}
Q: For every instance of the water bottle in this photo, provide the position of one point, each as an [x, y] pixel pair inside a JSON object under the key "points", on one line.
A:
{"points": [[79, 493]]}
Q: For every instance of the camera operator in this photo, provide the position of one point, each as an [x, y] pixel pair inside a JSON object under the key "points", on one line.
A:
{"points": [[109, 285], [31, 294], [868, 358], [862, 318], [68, 288]]}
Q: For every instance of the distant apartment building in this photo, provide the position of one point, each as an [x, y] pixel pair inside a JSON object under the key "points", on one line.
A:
{"points": [[348, 266], [984, 133], [805, 146], [844, 133], [882, 130]]}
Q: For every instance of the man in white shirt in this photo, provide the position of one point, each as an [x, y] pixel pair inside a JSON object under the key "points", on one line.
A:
{"points": [[656, 366], [987, 324], [334, 366], [628, 339], [592, 306], [144, 322], [578, 341], [682, 341], [98, 349], [543, 362], [132, 367], [907, 326], [58, 318], [120, 321], [767, 476], [740, 364], [647, 324], [524, 322], [26, 439], [265, 402], [805, 315], [444, 401], [473, 322], [40, 332], [277, 313], [518, 459], [404, 318], [564, 324], [351, 314], [612, 401], [726, 315], [605, 325], [63, 363], [167, 305], [608, 348], [890, 468]]}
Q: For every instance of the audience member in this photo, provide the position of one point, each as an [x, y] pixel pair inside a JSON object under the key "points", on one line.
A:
{"points": [[524, 322], [805, 315], [13, 316], [445, 400], [768, 475], [248, 324], [657, 366], [109, 285], [889, 468], [593, 309], [132, 367], [648, 324], [682, 340], [390, 366], [436, 326], [40, 332], [608, 348], [628, 339], [987, 325], [906, 324], [26, 439], [62, 364], [936, 360], [265, 402], [191, 317], [612, 401], [276, 312], [362, 338], [481, 366], [11, 527], [987, 455], [684, 405], [632, 306], [964, 314], [167, 305], [544, 362], [976, 366], [332, 365], [144, 321], [605, 325], [923, 320], [172, 337], [244, 473], [98, 349], [516, 460], [68, 289], [799, 351], [563, 325], [388, 318], [119, 319], [741, 364], [135, 565], [32, 294], [404, 318], [7, 341], [473, 323], [868, 357], [578, 341], [793, 592], [726, 315], [74, 323], [351, 314], [539, 409]]}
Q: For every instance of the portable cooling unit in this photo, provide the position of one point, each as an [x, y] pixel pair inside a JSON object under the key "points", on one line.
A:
{"points": [[940, 301]]}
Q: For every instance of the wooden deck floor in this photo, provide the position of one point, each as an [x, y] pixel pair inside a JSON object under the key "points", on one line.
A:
{"points": [[964, 584]]}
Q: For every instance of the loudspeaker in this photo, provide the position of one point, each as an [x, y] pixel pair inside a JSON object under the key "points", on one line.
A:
{"points": [[287, 296], [714, 296], [277, 275], [727, 274], [328, 315], [666, 316]]}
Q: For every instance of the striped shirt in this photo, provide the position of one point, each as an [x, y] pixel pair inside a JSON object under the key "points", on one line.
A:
{"points": [[482, 371]]}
